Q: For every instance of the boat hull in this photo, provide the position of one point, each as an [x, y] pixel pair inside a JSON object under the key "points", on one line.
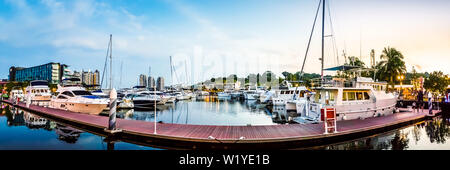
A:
{"points": [[145, 104], [94, 109]]}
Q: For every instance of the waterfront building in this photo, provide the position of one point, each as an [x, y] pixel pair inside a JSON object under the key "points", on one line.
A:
{"points": [[160, 84], [90, 78], [52, 72], [151, 82], [143, 80]]}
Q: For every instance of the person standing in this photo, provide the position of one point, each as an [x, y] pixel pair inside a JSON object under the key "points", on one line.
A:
{"points": [[420, 101]]}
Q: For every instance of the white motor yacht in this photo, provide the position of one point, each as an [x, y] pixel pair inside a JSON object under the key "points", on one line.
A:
{"points": [[17, 93], [182, 95], [201, 95], [147, 100], [78, 99], [39, 92], [286, 93], [224, 94], [364, 98]]}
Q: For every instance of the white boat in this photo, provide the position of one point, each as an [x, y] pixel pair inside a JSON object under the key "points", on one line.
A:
{"points": [[253, 94], [182, 96], [147, 100], [164, 98], [126, 102], [78, 99], [250, 95], [299, 95], [17, 93], [364, 99], [39, 92], [236, 94], [201, 95], [169, 98], [224, 94], [286, 93]]}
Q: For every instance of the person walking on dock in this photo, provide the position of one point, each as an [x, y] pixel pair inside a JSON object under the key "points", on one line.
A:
{"points": [[420, 101]]}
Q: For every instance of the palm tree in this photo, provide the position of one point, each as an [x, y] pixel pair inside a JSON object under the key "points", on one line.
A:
{"points": [[391, 66]]}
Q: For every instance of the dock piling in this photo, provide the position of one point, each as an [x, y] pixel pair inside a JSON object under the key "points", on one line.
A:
{"points": [[112, 112]]}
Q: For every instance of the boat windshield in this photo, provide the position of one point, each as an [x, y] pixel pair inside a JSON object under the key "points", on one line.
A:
{"points": [[81, 93], [39, 83]]}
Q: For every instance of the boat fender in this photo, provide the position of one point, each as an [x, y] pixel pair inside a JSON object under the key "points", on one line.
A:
{"points": [[344, 117]]}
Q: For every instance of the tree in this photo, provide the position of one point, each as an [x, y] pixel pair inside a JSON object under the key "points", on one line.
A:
{"points": [[355, 61], [286, 75], [372, 58], [436, 82], [391, 66]]}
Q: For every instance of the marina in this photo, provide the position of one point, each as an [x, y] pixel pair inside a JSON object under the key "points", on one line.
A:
{"points": [[229, 137], [206, 89]]}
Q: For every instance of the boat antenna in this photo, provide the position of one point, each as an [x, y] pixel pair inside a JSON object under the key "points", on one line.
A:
{"points": [[309, 42]]}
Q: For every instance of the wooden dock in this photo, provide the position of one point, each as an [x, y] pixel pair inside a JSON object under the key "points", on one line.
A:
{"points": [[182, 136]]}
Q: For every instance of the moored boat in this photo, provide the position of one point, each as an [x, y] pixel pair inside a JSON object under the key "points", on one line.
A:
{"points": [[78, 99], [39, 92]]}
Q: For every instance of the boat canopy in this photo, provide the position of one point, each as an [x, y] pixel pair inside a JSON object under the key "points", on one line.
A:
{"points": [[342, 68], [39, 83], [72, 79]]}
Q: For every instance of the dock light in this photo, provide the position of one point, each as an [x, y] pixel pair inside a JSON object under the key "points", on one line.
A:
{"points": [[401, 77]]}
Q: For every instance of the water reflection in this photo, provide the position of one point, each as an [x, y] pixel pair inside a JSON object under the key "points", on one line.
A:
{"points": [[42, 133], [213, 111], [438, 129], [19, 117], [431, 134], [67, 133]]}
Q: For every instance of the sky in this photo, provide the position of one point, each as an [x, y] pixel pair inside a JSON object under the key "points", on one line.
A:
{"points": [[215, 38]]}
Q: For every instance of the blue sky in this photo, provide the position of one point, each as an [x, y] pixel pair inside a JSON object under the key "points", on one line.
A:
{"points": [[215, 37]]}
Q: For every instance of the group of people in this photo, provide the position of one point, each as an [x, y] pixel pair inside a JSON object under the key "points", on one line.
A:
{"points": [[419, 104]]}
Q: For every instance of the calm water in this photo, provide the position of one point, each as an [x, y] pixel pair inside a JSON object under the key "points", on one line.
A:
{"points": [[23, 130], [223, 112]]}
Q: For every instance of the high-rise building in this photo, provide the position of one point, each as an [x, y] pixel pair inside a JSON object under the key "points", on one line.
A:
{"points": [[90, 78], [151, 82], [160, 84], [143, 80], [52, 72]]}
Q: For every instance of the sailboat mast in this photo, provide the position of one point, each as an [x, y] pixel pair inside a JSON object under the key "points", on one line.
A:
{"points": [[120, 81], [171, 72], [323, 37], [185, 68], [110, 62]]}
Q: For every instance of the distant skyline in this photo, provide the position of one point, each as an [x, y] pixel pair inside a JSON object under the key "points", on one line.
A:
{"points": [[217, 38]]}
